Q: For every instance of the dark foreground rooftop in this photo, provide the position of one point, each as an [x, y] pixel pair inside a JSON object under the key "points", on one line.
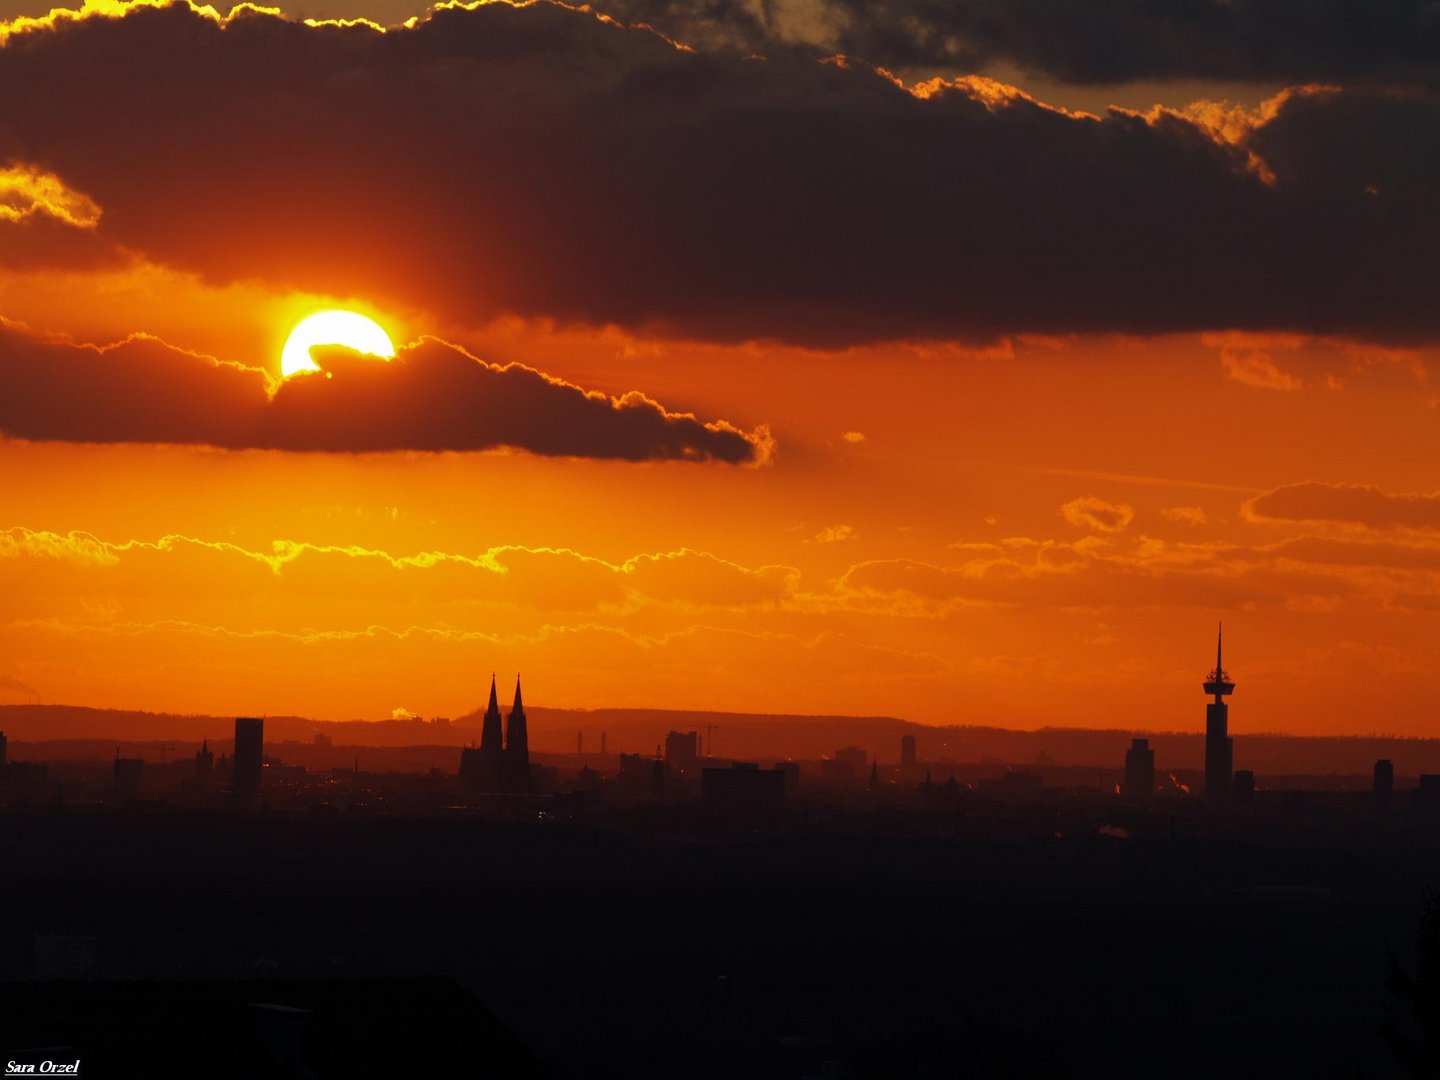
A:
{"points": [[296, 1028]]}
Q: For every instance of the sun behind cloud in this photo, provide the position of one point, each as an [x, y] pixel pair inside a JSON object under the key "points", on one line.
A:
{"points": [[347, 328]]}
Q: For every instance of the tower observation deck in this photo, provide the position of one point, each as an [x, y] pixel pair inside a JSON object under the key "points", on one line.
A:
{"points": [[1219, 747]]}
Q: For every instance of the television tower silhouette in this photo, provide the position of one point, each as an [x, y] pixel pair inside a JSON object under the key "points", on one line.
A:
{"points": [[1219, 747]]}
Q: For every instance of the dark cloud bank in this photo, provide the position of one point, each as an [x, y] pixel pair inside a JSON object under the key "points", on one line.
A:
{"points": [[430, 397], [540, 161], [1083, 41]]}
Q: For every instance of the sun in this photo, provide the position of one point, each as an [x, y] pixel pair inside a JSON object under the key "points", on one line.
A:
{"points": [[332, 328]]}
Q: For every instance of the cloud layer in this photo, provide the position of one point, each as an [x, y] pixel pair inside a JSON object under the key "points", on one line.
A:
{"points": [[1082, 41], [432, 396], [542, 161], [1347, 504], [155, 577], [1098, 515]]}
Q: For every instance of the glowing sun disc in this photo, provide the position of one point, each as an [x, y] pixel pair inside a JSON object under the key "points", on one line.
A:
{"points": [[332, 328]]}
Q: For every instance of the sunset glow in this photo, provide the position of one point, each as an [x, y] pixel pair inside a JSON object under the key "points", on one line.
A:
{"points": [[589, 539], [923, 440]]}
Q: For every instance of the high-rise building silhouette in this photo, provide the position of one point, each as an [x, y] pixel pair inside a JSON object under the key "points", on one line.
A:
{"points": [[907, 749], [249, 754], [1427, 796], [1219, 747], [1384, 783], [1139, 770], [4, 758], [682, 751]]}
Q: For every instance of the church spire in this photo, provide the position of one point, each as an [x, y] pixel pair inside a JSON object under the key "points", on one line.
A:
{"points": [[517, 738], [490, 733]]}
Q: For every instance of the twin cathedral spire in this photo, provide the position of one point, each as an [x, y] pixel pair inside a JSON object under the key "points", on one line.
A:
{"points": [[501, 763], [516, 741]]}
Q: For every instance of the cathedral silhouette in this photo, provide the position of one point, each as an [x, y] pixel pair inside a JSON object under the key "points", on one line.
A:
{"points": [[501, 763]]}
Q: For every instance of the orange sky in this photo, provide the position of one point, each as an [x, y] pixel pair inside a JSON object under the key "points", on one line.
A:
{"points": [[1019, 528]]}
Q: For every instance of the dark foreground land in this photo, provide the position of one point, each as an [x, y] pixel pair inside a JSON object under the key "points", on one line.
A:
{"points": [[624, 951]]}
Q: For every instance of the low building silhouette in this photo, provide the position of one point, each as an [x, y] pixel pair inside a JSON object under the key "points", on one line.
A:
{"points": [[1242, 787], [25, 782], [472, 770], [642, 773], [836, 772], [743, 785], [128, 773], [1012, 785]]}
